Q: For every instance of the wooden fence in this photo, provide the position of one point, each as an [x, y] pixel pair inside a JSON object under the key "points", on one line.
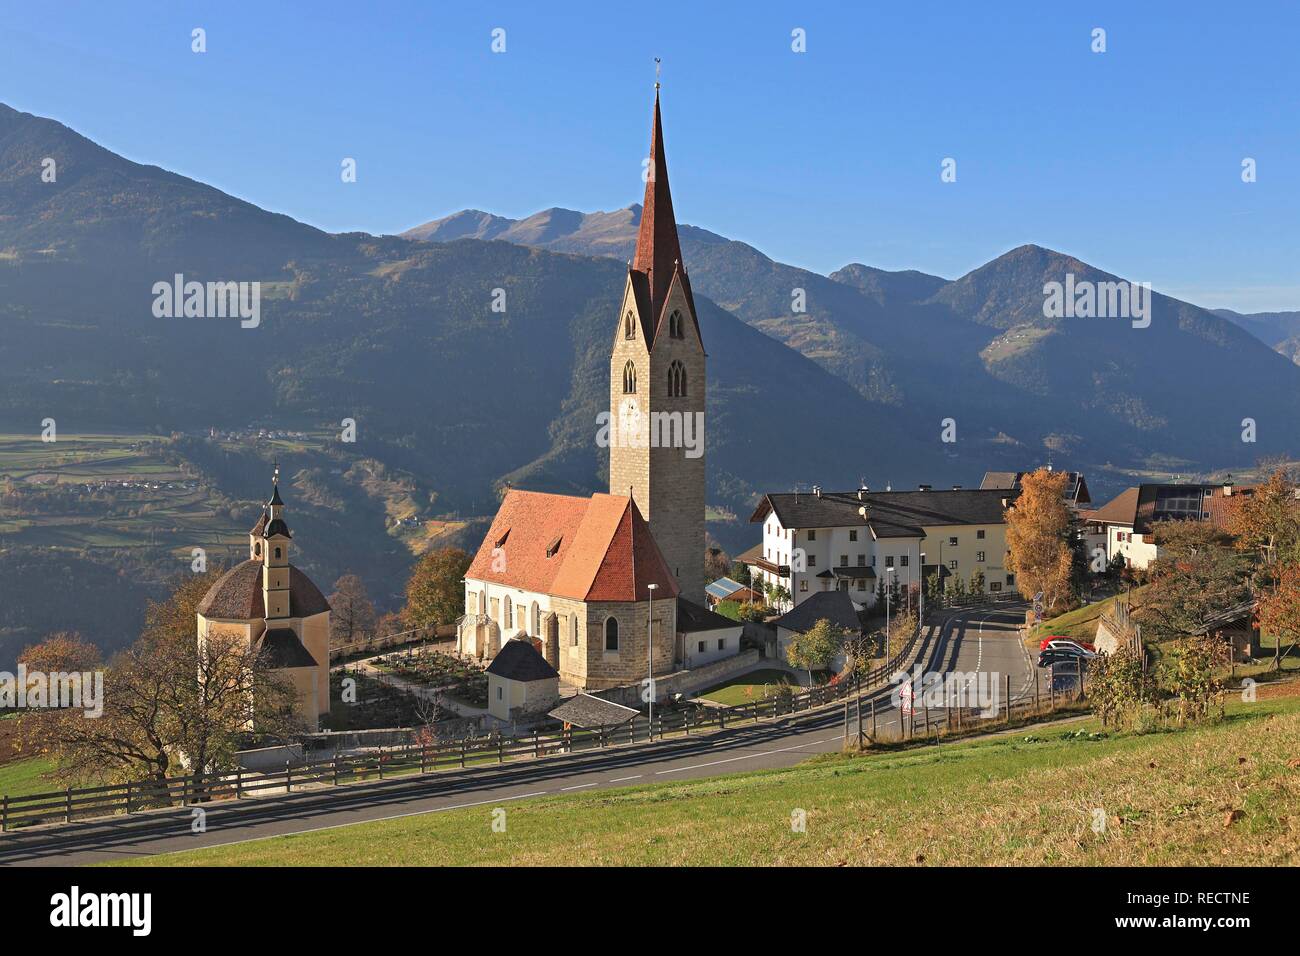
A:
{"points": [[84, 802]]}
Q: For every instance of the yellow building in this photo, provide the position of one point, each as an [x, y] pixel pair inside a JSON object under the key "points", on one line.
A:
{"points": [[272, 607]]}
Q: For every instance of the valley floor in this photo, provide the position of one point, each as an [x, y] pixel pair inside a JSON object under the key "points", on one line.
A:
{"points": [[1224, 794]]}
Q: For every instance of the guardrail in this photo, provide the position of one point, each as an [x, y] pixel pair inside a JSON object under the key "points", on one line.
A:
{"points": [[190, 789]]}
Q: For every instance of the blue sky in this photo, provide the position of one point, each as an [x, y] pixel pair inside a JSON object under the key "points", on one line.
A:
{"points": [[1129, 159]]}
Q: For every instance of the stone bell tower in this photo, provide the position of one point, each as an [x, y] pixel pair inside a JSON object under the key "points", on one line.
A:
{"points": [[657, 385]]}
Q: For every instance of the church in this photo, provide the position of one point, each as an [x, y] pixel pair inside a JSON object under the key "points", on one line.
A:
{"points": [[577, 576], [269, 605]]}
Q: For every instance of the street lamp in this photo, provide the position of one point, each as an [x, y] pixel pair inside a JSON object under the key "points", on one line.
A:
{"points": [[650, 664], [920, 614]]}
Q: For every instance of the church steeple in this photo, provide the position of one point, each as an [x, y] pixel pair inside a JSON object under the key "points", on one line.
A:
{"points": [[658, 250], [275, 555]]}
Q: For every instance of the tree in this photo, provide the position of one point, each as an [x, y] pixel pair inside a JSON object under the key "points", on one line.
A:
{"points": [[166, 699], [435, 593], [780, 595], [61, 652], [716, 563], [1267, 521], [1189, 673], [977, 581], [1197, 576], [1279, 610], [816, 647], [1038, 537], [352, 615], [1118, 690], [740, 573]]}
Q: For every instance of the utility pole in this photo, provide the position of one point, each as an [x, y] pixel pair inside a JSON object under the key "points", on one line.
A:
{"points": [[650, 664]]}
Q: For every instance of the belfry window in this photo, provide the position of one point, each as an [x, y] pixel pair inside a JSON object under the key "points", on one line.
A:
{"points": [[675, 325], [629, 378], [676, 380], [629, 326]]}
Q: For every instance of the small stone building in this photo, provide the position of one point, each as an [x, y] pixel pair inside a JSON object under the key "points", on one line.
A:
{"points": [[520, 682]]}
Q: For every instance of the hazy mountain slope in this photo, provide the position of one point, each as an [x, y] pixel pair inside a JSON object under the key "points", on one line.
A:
{"points": [[979, 349], [1281, 330]]}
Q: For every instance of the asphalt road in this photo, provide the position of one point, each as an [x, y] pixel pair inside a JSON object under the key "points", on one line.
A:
{"points": [[976, 640]]}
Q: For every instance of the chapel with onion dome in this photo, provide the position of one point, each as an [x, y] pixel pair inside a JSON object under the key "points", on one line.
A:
{"points": [[275, 609]]}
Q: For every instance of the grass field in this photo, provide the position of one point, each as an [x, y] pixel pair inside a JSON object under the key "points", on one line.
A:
{"points": [[22, 777], [1225, 794], [750, 687]]}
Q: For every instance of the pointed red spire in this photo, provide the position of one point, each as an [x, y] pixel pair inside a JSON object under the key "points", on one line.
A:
{"points": [[658, 251]]}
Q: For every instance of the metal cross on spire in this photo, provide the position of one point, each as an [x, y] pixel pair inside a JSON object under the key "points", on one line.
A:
{"points": [[656, 73]]}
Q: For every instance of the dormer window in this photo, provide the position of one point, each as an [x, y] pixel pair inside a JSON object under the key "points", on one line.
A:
{"points": [[629, 326], [553, 547], [501, 541]]}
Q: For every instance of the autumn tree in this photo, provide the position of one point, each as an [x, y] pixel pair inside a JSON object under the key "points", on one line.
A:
{"points": [[1197, 575], [352, 614], [716, 563], [816, 647], [1039, 529], [61, 652], [1279, 610], [168, 703], [1266, 521], [435, 593]]}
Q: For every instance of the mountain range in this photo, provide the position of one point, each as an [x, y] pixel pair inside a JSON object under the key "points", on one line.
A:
{"points": [[812, 379]]}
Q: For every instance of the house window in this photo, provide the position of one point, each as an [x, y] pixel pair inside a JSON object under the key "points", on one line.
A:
{"points": [[722, 643], [812, 535], [862, 584], [979, 556], [980, 534], [995, 586], [629, 378], [676, 380], [812, 560], [1011, 579], [853, 534], [611, 634], [902, 562], [862, 560], [701, 646], [952, 542], [844, 560], [499, 691], [889, 560], [952, 565], [629, 326], [803, 585]]}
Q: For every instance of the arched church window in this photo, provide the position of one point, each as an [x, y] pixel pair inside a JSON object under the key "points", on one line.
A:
{"points": [[277, 554], [536, 629], [629, 326], [675, 324], [573, 630], [510, 612], [676, 380], [611, 633], [257, 550], [629, 378]]}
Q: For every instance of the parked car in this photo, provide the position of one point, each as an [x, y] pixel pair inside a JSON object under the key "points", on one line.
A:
{"points": [[1042, 646], [1068, 646], [1069, 661]]}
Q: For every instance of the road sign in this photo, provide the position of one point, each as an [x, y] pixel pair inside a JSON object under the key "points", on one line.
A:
{"points": [[906, 694]]}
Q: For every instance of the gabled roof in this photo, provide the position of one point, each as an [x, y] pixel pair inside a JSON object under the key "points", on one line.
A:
{"points": [[723, 588], [588, 549], [519, 660], [1119, 510], [584, 711], [890, 514], [1076, 487], [693, 618], [280, 647], [834, 606]]}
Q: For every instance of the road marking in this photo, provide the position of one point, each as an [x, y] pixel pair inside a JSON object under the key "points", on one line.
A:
{"points": [[635, 776], [714, 763], [578, 787], [339, 826]]}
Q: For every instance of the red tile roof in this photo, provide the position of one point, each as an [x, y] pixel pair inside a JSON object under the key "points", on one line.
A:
{"points": [[588, 549]]}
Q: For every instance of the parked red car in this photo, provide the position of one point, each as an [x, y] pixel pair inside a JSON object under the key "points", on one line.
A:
{"points": [[1042, 646]]}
